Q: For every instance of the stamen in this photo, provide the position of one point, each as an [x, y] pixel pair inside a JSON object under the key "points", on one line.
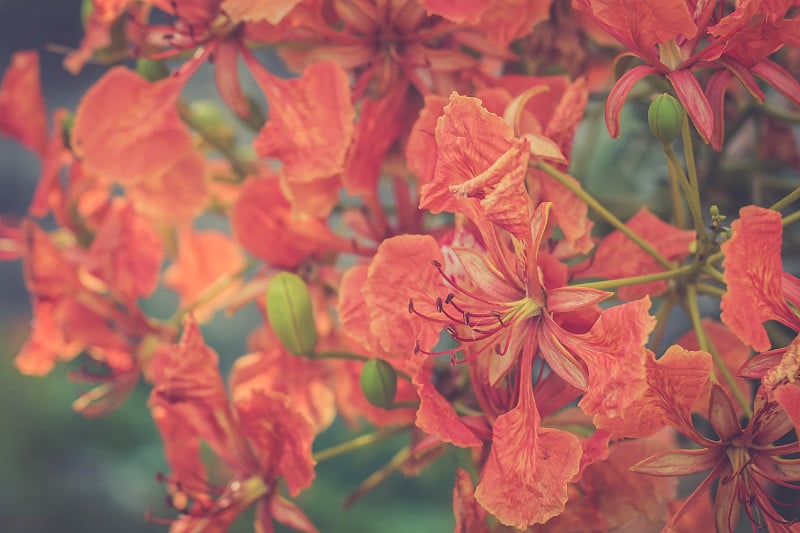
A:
{"points": [[412, 309]]}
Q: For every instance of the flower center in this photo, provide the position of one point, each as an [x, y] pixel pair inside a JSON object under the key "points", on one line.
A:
{"points": [[475, 321], [739, 459]]}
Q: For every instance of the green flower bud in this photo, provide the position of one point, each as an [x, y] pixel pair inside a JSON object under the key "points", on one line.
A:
{"points": [[151, 69], [66, 130], [665, 117], [208, 118], [290, 313], [87, 8], [379, 383]]}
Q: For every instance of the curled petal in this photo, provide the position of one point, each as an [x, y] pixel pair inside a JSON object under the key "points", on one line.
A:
{"points": [[619, 92], [781, 80], [694, 100]]}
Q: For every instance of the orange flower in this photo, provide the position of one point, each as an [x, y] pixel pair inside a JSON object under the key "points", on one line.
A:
{"points": [[262, 222], [260, 438], [128, 131]]}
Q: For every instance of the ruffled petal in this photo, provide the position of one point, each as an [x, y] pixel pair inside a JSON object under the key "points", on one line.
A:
{"points": [[753, 270]]}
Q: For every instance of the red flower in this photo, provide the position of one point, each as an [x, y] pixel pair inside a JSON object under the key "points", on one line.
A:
{"points": [[758, 289], [746, 462], [673, 39]]}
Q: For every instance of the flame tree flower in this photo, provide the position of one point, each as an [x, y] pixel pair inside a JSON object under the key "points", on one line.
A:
{"points": [[746, 461], [674, 39]]}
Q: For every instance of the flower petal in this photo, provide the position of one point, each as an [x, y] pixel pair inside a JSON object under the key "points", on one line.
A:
{"points": [[753, 272]]}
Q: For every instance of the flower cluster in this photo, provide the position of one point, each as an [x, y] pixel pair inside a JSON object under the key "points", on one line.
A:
{"points": [[406, 224]]}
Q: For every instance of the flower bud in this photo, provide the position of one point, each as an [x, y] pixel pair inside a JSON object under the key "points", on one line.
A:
{"points": [[290, 313], [209, 118], [379, 383], [151, 69], [87, 9], [665, 117]]}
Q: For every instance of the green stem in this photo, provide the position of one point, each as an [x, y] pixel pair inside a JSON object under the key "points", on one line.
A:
{"points": [[707, 346], [362, 441], [607, 215], [715, 257], [240, 168], [788, 219], [637, 280], [340, 354], [677, 203], [713, 273], [704, 288], [691, 193], [786, 200], [378, 477]]}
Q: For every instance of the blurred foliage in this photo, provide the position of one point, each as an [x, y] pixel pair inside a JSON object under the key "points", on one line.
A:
{"points": [[62, 472]]}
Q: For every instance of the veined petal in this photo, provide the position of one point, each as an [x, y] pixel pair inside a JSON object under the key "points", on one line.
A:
{"points": [[753, 272], [565, 299], [311, 121], [722, 415], [619, 92], [715, 91], [23, 115], [732, 351], [469, 141], [679, 462], [281, 436], [386, 292], [694, 100], [614, 354], [469, 515], [272, 11], [674, 382], [788, 396], [525, 478], [436, 415], [780, 80], [560, 360], [618, 257]]}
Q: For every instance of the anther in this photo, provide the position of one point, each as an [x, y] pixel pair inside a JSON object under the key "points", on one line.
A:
{"points": [[439, 306]]}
